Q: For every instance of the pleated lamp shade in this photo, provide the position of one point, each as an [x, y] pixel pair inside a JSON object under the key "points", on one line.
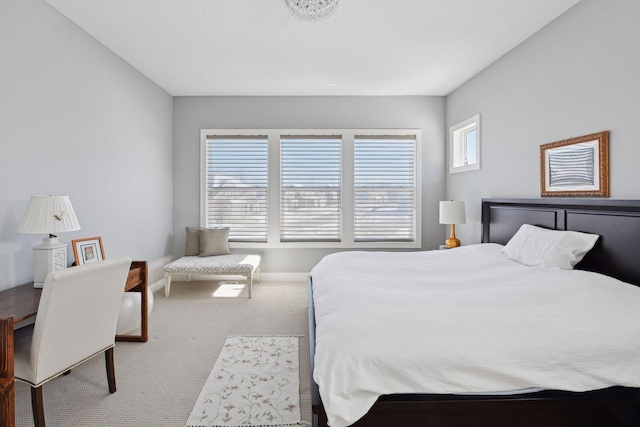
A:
{"points": [[49, 215]]}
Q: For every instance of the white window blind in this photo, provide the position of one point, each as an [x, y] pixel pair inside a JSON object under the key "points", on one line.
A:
{"points": [[236, 175], [310, 188], [384, 188]]}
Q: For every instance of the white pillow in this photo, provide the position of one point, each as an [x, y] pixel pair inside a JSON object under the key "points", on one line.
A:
{"points": [[539, 247]]}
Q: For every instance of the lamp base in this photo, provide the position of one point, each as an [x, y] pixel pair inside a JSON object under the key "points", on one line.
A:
{"points": [[48, 256], [452, 242]]}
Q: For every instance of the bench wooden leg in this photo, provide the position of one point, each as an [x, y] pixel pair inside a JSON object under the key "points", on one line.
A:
{"points": [[167, 285]]}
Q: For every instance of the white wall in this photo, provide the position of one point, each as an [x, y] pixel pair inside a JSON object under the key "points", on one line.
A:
{"points": [[77, 120], [194, 113], [578, 75]]}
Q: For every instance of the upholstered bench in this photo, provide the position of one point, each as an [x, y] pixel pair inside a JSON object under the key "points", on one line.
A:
{"points": [[233, 264]]}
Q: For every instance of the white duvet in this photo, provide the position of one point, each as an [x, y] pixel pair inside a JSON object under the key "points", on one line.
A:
{"points": [[466, 320]]}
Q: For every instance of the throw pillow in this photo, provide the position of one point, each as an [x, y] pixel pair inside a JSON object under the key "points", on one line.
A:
{"points": [[192, 247], [214, 241]]}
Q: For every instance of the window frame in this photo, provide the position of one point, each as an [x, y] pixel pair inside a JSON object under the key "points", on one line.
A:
{"points": [[395, 186], [322, 148], [457, 144], [347, 191], [204, 185]]}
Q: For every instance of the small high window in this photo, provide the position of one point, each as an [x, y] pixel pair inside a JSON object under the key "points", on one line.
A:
{"points": [[464, 138]]}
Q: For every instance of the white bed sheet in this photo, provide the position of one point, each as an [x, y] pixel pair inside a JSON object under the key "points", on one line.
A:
{"points": [[467, 320]]}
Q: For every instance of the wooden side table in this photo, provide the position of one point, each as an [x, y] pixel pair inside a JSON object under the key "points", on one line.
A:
{"points": [[137, 282], [7, 382]]}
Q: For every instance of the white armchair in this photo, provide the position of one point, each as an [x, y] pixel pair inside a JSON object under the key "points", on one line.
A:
{"points": [[76, 320]]}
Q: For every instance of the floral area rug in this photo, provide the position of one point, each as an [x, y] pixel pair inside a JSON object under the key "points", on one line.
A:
{"points": [[254, 382]]}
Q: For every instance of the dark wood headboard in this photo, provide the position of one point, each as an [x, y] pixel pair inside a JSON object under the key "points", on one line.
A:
{"points": [[617, 222]]}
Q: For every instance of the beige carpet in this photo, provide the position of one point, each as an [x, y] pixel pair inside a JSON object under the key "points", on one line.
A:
{"points": [[159, 381]]}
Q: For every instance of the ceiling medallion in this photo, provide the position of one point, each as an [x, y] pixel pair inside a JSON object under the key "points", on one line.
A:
{"points": [[311, 10]]}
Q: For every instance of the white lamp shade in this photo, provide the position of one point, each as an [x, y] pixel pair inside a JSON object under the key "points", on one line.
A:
{"points": [[452, 212], [49, 215]]}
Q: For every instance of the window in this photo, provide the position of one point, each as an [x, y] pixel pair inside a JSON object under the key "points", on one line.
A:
{"points": [[310, 183], [385, 185], [236, 172], [313, 188], [465, 145]]}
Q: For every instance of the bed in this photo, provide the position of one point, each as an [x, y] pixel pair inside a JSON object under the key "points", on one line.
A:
{"points": [[447, 383]]}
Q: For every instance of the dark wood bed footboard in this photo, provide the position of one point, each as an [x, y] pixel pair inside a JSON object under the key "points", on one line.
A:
{"points": [[617, 407], [615, 254]]}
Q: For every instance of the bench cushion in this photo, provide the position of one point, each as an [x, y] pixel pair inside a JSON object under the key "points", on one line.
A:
{"points": [[218, 264]]}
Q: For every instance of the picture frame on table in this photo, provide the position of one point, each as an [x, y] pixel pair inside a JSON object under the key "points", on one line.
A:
{"points": [[88, 250], [575, 167]]}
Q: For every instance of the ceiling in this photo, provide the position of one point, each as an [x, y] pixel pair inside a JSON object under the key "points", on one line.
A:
{"points": [[257, 47]]}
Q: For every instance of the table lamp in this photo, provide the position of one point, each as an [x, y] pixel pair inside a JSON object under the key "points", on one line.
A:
{"points": [[452, 212], [48, 215]]}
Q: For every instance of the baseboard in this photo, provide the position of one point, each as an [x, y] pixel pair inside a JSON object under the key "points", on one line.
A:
{"points": [[284, 277], [156, 286]]}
